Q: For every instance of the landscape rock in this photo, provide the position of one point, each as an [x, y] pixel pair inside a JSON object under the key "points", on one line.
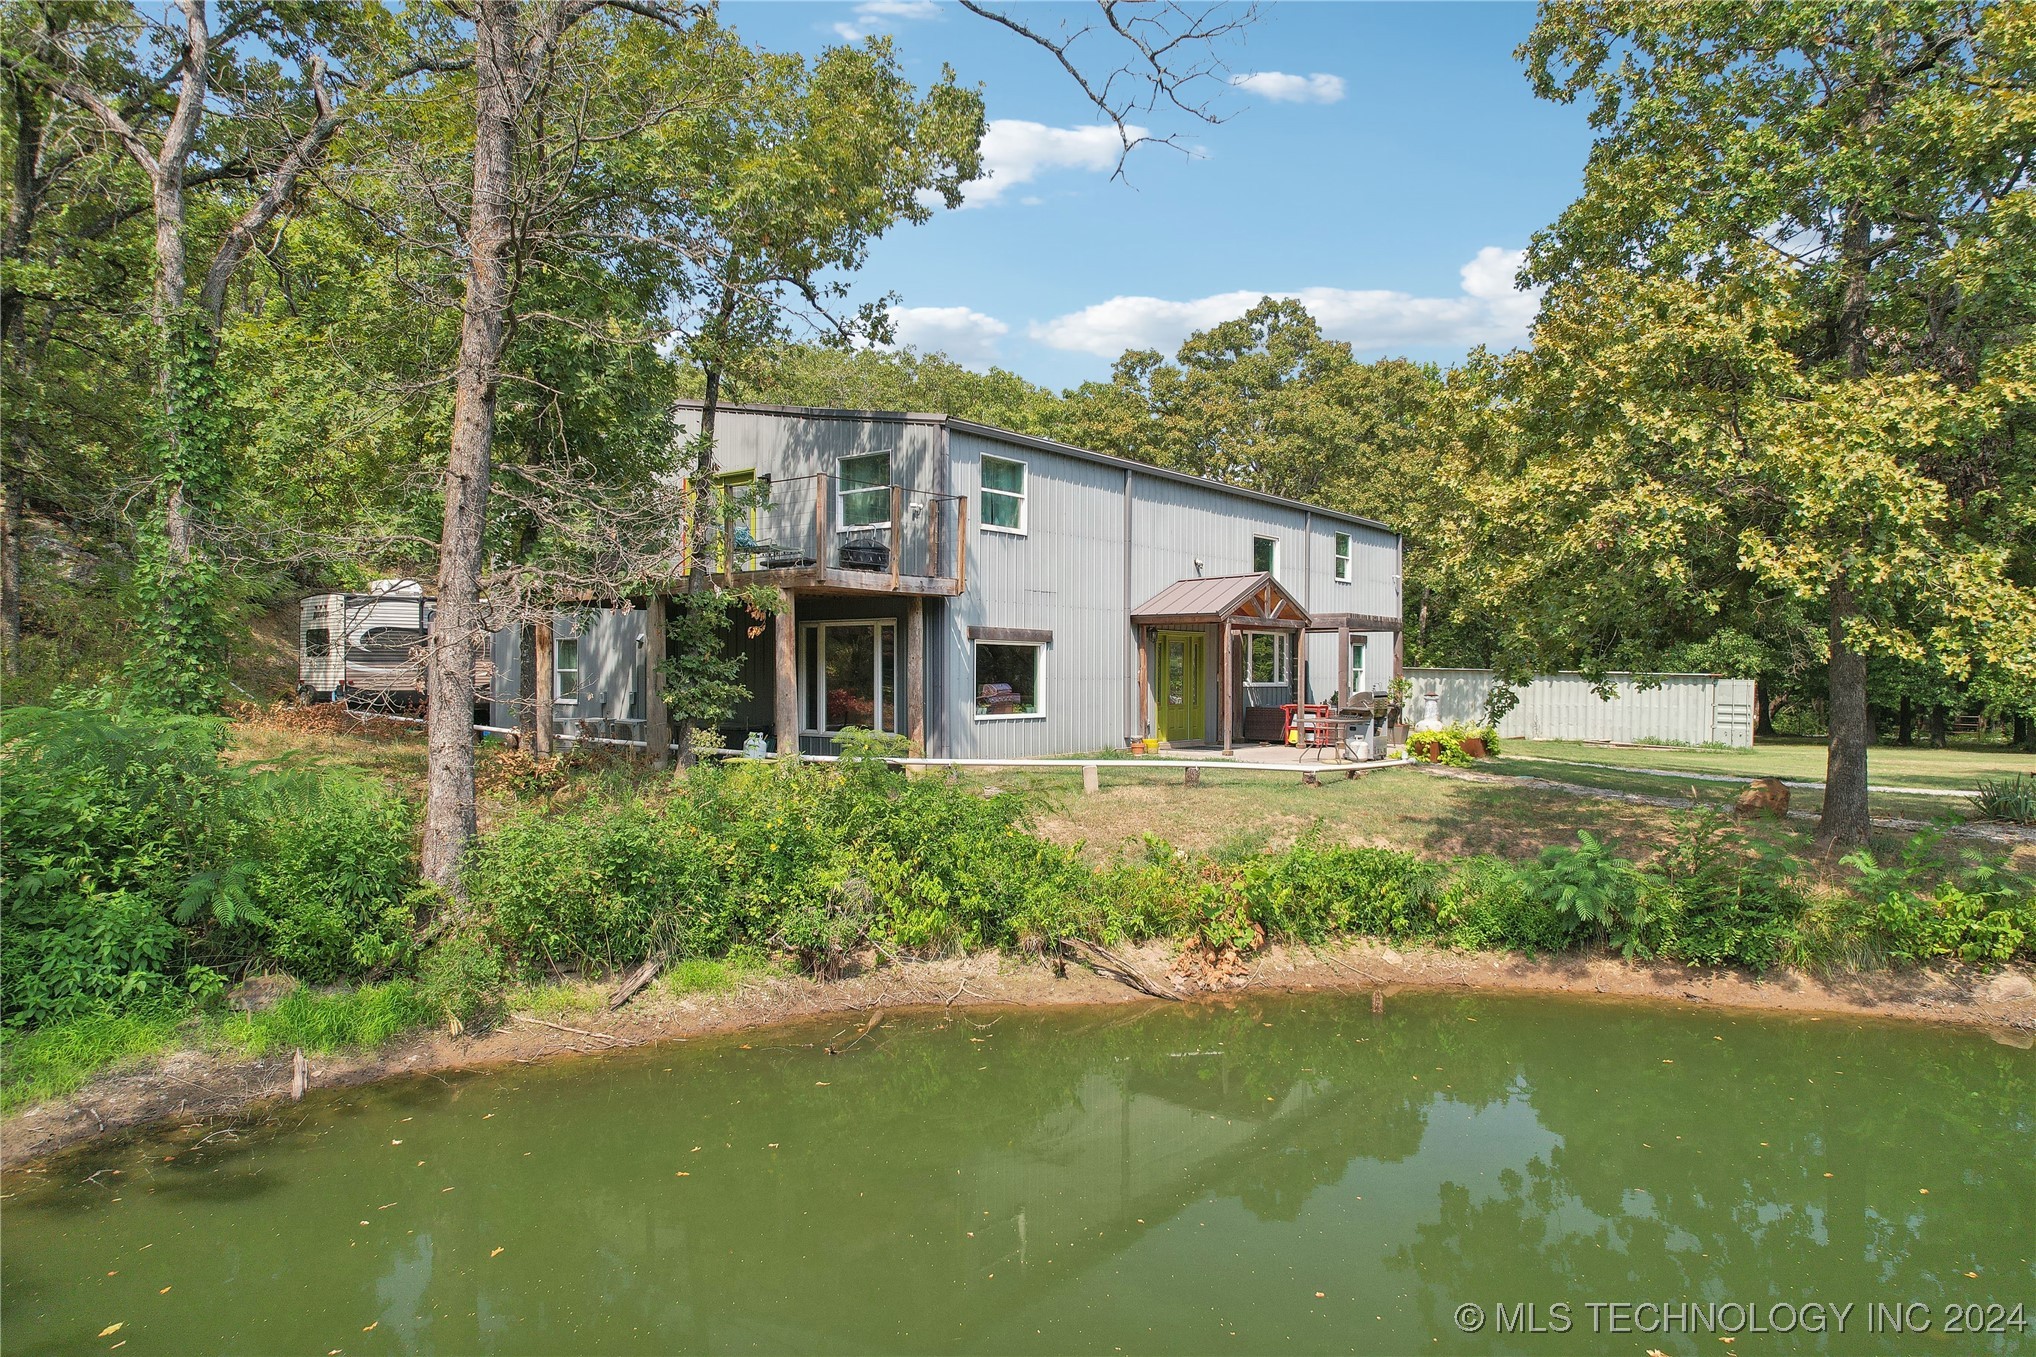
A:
{"points": [[1767, 796], [259, 993]]}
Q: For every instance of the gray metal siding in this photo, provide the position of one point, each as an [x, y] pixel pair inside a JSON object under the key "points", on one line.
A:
{"points": [[785, 446], [1688, 708]]}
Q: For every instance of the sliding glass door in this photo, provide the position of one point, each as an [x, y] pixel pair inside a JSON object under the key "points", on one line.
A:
{"points": [[847, 676]]}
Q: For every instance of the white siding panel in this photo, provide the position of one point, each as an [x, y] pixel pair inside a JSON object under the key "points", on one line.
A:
{"points": [[1687, 708]]}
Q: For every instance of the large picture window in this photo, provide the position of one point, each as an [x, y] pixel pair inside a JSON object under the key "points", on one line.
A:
{"points": [[1266, 657], [1007, 680], [866, 491], [1343, 558], [849, 676], [1003, 495]]}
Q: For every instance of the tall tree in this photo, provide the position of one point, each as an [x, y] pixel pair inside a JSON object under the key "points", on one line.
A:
{"points": [[1861, 172]]}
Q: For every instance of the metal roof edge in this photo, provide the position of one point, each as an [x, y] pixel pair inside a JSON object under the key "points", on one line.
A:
{"points": [[1026, 440]]}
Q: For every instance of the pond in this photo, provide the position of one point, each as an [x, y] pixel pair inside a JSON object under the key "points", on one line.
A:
{"points": [[1293, 1174]]}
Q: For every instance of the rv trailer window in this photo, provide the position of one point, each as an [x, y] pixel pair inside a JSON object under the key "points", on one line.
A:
{"points": [[318, 642]]}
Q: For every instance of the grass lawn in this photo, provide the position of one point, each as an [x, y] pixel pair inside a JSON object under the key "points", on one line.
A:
{"points": [[1953, 769], [1234, 813], [1721, 794]]}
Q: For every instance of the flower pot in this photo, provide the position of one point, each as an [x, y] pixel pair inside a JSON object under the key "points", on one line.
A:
{"points": [[1474, 747]]}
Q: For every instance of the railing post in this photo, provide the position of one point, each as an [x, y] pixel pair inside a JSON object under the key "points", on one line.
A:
{"points": [[961, 544], [897, 533], [934, 505], [823, 495]]}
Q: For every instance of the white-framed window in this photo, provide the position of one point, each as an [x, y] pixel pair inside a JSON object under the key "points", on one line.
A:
{"points": [[1266, 657], [848, 676], [865, 491], [565, 669], [1265, 555], [1357, 683], [1004, 495], [1007, 680], [1343, 558]]}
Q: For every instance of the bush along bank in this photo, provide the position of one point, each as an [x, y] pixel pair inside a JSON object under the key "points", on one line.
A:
{"points": [[143, 875]]}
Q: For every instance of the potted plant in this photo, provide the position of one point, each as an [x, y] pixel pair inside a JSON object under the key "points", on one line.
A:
{"points": [[1397, 693]]}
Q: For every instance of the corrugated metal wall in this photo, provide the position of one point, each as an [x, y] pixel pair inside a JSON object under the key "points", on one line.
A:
{"points": [[1688, 708]]}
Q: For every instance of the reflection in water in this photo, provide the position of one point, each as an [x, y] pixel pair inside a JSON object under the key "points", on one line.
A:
{"points": [[1154, 1181]]}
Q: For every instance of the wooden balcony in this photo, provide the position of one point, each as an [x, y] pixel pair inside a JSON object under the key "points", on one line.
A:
{"points": [[814, 535]]}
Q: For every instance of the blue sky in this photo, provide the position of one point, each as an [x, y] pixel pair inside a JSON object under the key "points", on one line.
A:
{"points": [[1383, 162]]}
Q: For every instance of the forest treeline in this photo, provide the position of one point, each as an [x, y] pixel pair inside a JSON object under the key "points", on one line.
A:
{"points": [[302, 295]]}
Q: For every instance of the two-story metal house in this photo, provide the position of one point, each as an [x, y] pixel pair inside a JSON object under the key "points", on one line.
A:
{"points": [[995, 595]]}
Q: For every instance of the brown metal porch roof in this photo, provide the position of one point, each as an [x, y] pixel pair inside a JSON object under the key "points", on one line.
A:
{"points": [[1257, 600]]}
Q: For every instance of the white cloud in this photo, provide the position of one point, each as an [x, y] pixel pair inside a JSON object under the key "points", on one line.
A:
{"points": [[1282, 88], [1016, 152], [1488, 311], [968, 337], [879, 16]]}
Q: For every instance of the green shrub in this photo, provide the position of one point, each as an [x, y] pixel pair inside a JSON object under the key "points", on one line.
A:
{"points": [[1720, 902], [1919, 908], [117, 828], [1485, 906], [464, 981], [1600, 891], [2012, 800], [1311, 892], [331, 890], [1440, 746]]}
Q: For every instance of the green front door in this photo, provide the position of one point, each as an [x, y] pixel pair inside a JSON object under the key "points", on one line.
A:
{"points": [[1181, 684]]}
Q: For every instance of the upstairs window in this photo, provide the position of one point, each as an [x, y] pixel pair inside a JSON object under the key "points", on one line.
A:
{"points": [[1266, 657], [866, 491], [1265, 555], [1003, 495], [565, 669], [1343, 558]]}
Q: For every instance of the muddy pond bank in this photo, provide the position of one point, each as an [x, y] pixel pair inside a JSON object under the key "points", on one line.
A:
{"points": [[193, 1085]]}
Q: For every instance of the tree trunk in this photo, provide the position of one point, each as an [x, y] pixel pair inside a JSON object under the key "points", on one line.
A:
{"points": [[1845, 823], [457, 628], [10, 574], [543, 689], [1905, 722], [1940, 726], [2025, 733], [1763, 701]]}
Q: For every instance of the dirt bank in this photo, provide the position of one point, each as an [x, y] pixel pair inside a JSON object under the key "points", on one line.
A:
{"points": [[197, 1085]]}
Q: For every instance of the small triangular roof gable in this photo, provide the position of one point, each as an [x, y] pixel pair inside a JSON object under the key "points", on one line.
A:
{"points": [[1247, 600]]}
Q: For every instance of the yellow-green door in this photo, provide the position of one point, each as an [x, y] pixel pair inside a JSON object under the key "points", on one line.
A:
{"points": [[1181, 684], [730, 484]]}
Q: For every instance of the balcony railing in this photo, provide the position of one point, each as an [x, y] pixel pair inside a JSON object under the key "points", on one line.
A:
{"points": [[815, 529]]}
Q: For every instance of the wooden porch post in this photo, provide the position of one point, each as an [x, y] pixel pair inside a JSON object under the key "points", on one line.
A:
{"points": [[915, 674], [1343, 659], [1227, 676], [542, 699], [897, 533], [657, 720], [786, 690], [1138, 724], [1306, 693]]}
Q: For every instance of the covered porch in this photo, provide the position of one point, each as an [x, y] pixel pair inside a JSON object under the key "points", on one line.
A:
{"points": [[1261, 668]]}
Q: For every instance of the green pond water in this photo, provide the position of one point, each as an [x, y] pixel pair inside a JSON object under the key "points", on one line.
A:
{"points": [[1278, 1175]]}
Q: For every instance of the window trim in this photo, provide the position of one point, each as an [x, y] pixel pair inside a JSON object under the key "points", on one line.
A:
{"points": [[1038, 649], [558, 691], [1341, 545], [1023, 496], [1283, 660], [810, 632], [1258, 537], [1355, 678], [841, 492]]}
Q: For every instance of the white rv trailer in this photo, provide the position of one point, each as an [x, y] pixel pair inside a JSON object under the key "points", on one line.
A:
{"points": [[366, 649]]}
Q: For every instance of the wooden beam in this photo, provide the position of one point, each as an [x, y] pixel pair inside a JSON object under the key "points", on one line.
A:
{"points": [[915, 674], [1012, 635], [1226, 685], [1357, 621], [657, 719], [786, 691], [823, 503], [1139, 722], [1343, 659], [961, 545], [897, 532]]}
